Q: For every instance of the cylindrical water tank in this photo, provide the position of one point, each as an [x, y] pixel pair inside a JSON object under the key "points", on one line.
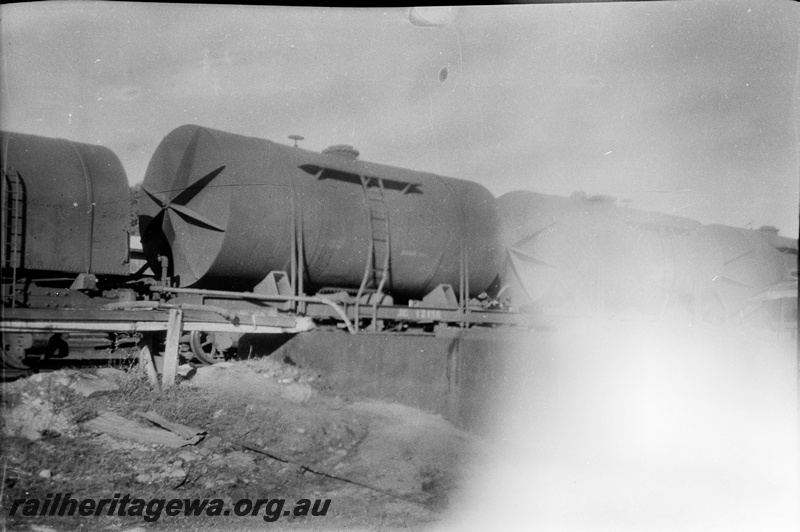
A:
{"points": [[583, 254], [76, 206], [225, 208]]}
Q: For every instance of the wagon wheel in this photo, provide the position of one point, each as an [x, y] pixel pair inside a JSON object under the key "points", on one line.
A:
{"points": [[204, 347]]}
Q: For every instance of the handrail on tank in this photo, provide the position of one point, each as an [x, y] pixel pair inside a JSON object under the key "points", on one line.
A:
{"points": [[263, 297]]}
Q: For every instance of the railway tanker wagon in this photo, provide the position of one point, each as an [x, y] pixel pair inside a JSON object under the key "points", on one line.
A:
{"points": [[64, 238], [582, 255], [64, 213], [226, 210]]}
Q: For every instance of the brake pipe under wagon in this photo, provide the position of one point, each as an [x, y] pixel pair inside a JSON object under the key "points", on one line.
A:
{"points": [[261, 297]]}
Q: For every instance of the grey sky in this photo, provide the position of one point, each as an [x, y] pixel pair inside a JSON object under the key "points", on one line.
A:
{"points": [[685, 107]]}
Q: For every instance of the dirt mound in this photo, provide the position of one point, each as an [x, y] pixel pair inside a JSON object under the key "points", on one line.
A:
{"points": [[271, 429], [45, 403]]}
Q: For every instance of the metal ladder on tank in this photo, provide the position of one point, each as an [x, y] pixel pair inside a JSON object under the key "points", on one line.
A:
{"points": [[376, 271], [13, 205]]}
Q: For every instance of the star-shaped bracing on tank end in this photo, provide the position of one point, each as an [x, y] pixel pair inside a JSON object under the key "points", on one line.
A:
{"points": [[182, 194], [517, 255], [174, 211], [176, 206], [516, 249]]}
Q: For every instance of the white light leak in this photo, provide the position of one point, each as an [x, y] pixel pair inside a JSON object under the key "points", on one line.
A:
{"points": [[635, 426]]}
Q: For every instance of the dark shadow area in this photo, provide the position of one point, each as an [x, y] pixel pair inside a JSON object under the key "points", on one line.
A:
{"points": [[261, 345]]}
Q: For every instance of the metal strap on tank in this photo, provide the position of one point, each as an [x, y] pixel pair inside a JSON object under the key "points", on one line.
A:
{"points": [[297, 252], [90, 198], [293, 246], [463, 269], [464, 281]]}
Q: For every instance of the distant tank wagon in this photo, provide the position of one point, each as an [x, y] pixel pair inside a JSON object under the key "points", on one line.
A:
{"points": [[583, 255]]}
